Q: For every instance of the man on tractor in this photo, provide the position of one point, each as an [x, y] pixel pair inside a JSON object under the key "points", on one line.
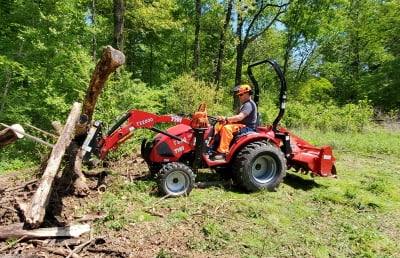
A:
{"points": [[244, 121]]}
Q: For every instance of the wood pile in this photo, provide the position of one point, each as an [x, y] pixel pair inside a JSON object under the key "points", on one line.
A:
{"points": [[69, 141]]}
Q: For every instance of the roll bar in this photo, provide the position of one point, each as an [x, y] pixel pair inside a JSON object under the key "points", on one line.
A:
{"points": [[282, 94]]}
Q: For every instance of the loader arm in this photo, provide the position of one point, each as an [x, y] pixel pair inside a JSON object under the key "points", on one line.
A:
{"points": [[124, 129]]}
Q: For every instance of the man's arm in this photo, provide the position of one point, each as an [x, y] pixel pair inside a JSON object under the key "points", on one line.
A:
{"points": [[236, 118], [246, 110]]}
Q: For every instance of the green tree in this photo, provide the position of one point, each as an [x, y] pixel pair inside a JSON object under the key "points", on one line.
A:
{"points": [[253, 18], [355, 55], [44, 59], [380, 82]]}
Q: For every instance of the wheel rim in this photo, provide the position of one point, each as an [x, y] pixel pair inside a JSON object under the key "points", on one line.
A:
{"points": [[264, 169], [177, 182]]}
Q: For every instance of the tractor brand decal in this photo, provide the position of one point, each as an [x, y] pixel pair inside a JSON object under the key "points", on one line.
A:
{"points": [[176, 142], [144, 121], [327, 157], [176, 119], [179, 149]]}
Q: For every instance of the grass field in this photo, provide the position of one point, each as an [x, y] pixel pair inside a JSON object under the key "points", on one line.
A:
{"points": [[355, 215]]}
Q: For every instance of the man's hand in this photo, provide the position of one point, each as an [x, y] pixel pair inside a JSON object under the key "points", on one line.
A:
{"points": [[221, 119]]}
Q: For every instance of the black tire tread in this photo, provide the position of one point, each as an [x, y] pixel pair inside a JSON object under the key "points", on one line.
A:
{"points": [[243, 177], [164, 172]]}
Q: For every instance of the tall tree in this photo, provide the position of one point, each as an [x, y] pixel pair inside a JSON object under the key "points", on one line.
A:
{"points": [[302, 24], [253, 18], [196, 51], [119, 24], [156, 42], [355, 50], [222, 43], [45, 47], [93, 23]]}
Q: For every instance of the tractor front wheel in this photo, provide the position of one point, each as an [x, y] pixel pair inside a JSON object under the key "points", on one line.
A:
{"points": [[259, 165], [175, 179]]}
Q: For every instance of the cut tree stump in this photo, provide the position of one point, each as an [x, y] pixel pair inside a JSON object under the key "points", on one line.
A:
{"points": [[10, 134], [35, 212]]}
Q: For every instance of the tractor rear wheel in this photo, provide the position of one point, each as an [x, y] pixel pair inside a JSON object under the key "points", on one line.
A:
{"points": [[259, 165], [175, 179]]}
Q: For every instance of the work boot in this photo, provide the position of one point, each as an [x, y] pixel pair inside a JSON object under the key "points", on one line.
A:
{"points": [[220, 156]]}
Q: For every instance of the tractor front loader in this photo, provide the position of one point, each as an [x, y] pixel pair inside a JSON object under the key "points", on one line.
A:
{"points": [[256, 160]]}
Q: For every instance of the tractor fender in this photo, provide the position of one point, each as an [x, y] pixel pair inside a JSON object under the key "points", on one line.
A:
{"points": [[247, 138]]}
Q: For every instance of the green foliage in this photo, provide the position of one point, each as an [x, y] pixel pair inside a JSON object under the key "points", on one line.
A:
{"points": [[23, 154], [163, 254], [328, 117], [185, 94], [315, 90], [354, 54], [122, 94], [366, 142], [45, 67]]}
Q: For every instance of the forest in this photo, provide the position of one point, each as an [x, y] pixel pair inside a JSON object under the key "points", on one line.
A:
{"points": [[334, 54]]}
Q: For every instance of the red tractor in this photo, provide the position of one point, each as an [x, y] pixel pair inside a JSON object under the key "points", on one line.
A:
{"points": [[255, 161]]}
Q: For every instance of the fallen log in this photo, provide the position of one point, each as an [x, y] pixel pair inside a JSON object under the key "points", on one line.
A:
{"points": [[18, 131], [36, 209], [10, 134], [17, 231]]}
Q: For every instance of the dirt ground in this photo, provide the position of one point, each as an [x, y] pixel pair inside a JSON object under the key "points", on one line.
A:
{"points": [[138, 240]]}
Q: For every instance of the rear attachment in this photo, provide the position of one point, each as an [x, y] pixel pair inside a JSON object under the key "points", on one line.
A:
{"points": [[307, 158]]}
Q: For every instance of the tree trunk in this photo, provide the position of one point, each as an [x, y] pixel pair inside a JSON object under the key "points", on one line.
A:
{"points": [[239, 63], [222, 42], [6, 88], [94, 40], [196, 54], [119, 24], [109, 62], [57, 127], [36, 210], [238, 75]]}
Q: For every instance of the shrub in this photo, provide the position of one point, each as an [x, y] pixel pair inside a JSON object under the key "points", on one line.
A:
{"points": [[325, 117], [185, 94], [124, 94], [315, 89]]}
